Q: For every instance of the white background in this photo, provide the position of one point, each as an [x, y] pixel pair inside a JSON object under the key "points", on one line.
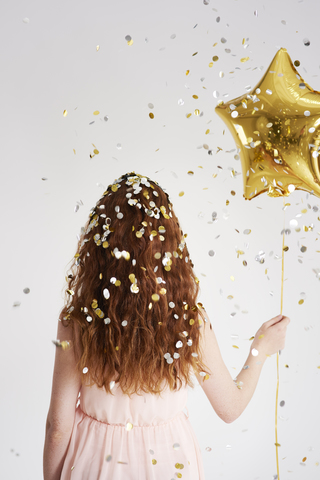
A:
{"points": [[50, 64]]}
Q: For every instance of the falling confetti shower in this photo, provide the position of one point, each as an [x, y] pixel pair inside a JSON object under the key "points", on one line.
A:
{"points": [[130, 87]]}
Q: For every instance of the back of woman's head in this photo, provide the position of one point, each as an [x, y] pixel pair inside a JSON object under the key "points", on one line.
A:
{"points": [[132, 292]]}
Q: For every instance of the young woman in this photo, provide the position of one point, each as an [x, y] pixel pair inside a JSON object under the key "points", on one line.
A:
{"points": [[132, 335]]}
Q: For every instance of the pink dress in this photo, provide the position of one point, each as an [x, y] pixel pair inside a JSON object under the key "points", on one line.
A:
{"points": [[147, 437]]}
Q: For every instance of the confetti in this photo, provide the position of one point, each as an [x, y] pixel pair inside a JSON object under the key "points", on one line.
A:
{"points": [[65, 113], [129, 40]]}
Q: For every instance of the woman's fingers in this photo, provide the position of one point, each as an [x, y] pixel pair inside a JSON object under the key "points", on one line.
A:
{"points": [[274, 320]]}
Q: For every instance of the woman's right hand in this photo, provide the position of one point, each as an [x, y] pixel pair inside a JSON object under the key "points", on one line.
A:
{"points": [[271, 336]]}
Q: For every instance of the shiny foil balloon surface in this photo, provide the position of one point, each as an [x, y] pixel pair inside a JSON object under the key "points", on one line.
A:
{"points": [[277, 130]]}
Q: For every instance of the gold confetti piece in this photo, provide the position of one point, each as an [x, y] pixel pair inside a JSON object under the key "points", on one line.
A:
{"points": [[154, 461], [190, 172], [96, 112], [138, 234], [74, 151], [96, 152], [243, 41], [188, 115], [163, 291], [155, 297], [235, 346], [215, 44], [187, 72], [232, 278], [196, 53], [99, 313], [65, 345], [230, 297], [227, 202], [70, 292], [211, 64], [261, 336], [65, 113], [117, 283], [157, 255], [233, 193], [285, 249], [197, 112], [105, 244], [214, 175], [296, 63], [100, 276], [181, 194], [277, 445], [195, 96], [151, 115], [215, 58], [304, 459], [130, 42], [304, 210], [129, 426], [207, 131], [244, 59], [301, 301], [98, 48]]}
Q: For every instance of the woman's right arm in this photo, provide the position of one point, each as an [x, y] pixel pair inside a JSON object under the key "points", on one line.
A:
{"points": [[229, 399]]}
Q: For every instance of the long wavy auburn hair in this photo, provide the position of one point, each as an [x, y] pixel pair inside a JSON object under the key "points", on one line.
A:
{"points": [[131, 298]]}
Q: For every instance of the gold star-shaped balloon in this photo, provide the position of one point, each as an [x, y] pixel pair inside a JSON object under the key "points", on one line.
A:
{"points": [[277, 130]]}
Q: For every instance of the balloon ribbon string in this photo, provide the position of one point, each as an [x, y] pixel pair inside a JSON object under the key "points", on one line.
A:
{"points": [[281, 307]]}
